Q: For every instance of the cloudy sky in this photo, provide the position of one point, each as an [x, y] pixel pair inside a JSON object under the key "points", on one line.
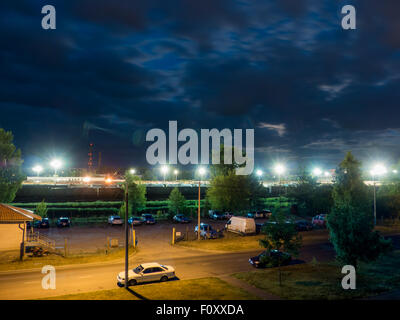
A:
{"points": [[112, 70]]}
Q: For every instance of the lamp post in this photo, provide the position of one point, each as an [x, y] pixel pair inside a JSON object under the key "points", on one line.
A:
{"points": [[126, 234], [164, 171], [201, 172], [377, 170], [37, 169], [259, 173], [279, 169], [55, 164], [176, 174], [317, 172]]}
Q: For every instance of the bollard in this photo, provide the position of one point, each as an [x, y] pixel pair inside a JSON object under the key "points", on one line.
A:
{"points": [[173, 236]]}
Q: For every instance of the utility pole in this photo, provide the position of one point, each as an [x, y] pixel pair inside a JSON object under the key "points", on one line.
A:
{"points": [[373, 177], [198, 215], [126, 234]]}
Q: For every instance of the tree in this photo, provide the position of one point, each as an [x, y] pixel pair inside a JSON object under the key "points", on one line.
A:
{"points": [[136, 193], [176, 201], [281, 235], [11, 176], [388, 200], [233, 192], [350, 222], [41, 209]]}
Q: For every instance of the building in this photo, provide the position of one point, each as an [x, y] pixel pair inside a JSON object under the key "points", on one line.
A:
{"points": [[13, 226]]}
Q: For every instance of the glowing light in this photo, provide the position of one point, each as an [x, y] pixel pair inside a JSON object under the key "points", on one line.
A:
{"points": [[109, 180], [259, 173], [132, 171], [317, 172], [201, 171], [326, 174], [164, 169], [37, 169], [279, 169], [87, 179], [56, 163], [378, 170], [176, 172]]}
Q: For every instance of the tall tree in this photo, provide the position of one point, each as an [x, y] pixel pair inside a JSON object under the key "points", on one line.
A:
{"points": [[11, 176], [136, 193], [41, 209], [176, 201], [351, 220]]}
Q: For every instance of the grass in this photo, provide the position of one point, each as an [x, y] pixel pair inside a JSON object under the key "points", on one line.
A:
{"points": [[10, 260], [322, 281], [235, 242], [197, 289]]}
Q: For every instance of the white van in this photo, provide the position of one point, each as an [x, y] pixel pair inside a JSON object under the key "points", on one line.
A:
{"points": [[241, 225]]}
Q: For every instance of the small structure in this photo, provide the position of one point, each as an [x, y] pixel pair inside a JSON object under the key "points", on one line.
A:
{"points": [[13, 233]]}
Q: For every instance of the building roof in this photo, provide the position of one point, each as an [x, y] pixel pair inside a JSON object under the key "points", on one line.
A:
{"points": [[10, 214]]}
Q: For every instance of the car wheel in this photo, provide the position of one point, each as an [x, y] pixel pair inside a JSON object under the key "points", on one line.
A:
{"points": [[164, 278], [119, 284], [132, 282]]}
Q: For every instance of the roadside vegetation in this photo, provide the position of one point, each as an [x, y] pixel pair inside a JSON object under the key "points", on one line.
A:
{"points": [[197, 289], [322, 281], [9, 260]]}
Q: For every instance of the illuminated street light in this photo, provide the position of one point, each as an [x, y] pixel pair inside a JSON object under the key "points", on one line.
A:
{"points": [[279, 169], [394, 171], [176, 174], [377, 170], [201, 171], [327, 174], [87, 179], [132, 171], [109, 180], [259, 173], [37, 169], [317, 172], [164, 171], [56, 164]]}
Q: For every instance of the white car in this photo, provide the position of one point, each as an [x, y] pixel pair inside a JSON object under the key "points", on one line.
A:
{"points": [[146, 272], [115, 220]]}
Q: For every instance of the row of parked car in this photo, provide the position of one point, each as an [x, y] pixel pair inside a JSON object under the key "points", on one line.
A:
{"points": [[145, 218], [62, 222], [220, 215]]}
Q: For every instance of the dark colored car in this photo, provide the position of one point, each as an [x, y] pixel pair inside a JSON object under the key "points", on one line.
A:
{"points": [[206, 231], [270, 259], [135, 221], [148, 218], [180, 218], [303, 225], [319, 220], [63, 222], [44, 224], [217, 215]]}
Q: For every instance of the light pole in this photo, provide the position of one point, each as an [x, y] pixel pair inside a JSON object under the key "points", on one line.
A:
{"points": [[126, 234], [132, 171], [279, 169], [201, 172], [37, 169], [377, 170], [56, 164], [164, 171], [317, 172], [176, 174], [259, 173]]}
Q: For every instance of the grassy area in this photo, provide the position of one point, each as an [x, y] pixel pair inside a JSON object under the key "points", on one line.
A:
{"points": [[235, 242], [10, 260], [198, 289], [322, 281]]}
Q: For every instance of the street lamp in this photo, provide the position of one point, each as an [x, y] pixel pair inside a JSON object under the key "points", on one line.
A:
{"points": [[132, 171], [377, 170], [201, 172], [259, 173], [176, 174], [37, 169], [279, 169], [317, 172], [56, 164], [164, 171]]}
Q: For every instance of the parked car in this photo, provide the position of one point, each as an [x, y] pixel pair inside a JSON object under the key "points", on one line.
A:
{"points": [[115, 220], [270, 259], [135, 221], [255, 215], [265, 213], [180, 218], [228, 215], [217, 215], [63, 222], [303, 225], [241, 225], [319, 220], [206, 231], [44, 224], [146, 272], [148, 218]]}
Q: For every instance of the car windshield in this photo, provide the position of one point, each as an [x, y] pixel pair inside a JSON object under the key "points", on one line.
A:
{"points": [[64, 219], [138, 269], [117, 218]]}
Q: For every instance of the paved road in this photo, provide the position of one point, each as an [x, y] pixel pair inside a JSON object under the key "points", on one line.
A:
{"points": [[189, 264]]}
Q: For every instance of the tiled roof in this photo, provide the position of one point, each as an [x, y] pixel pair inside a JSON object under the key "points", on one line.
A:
{"points": [[13, 214]]}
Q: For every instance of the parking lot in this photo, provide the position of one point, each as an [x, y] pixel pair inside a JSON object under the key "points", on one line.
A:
{"points": [[85, 239]]}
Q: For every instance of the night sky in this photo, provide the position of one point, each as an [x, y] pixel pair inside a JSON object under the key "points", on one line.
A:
{"points": [[112, 70]]}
